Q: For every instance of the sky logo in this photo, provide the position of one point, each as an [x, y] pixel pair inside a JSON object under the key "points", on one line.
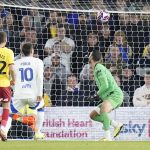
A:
{"points": [[133, 128]]}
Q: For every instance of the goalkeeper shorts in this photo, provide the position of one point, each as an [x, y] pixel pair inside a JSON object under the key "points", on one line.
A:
{"points": [[116, 99]]}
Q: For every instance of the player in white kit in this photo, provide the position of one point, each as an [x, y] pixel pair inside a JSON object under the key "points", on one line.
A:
{"points": [[28, 89]]}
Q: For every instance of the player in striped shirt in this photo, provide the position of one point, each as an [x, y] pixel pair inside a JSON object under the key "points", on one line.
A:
{"points": [[6, 73]]}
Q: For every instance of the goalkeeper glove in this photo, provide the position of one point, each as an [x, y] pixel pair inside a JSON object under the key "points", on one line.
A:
{"points": [[94, 98]]}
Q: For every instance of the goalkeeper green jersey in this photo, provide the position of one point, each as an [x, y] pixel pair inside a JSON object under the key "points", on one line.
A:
{"points": [[107, 84]]}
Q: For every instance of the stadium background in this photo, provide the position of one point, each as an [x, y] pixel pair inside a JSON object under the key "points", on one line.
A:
{"points": [[129, 23]]}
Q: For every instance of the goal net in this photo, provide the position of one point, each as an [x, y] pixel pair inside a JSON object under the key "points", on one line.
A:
{"points": [[65, 32]]}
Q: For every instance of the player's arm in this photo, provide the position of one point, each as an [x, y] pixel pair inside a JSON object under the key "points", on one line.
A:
{"points": [[11, 67], [12, 74], [40, 81]]}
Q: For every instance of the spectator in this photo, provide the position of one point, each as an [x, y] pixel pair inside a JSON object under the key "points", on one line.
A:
{"points": [[38, 20], [72, 95], [67, 44], [80, 56], [146, 24], [26, 24], [121, 41], [88, 86], [114, 21], [36, 54], [126, 100], [55, 49], [124, 20], [64, 59], [105, 38], [81, 29], [141, 96], [114, 60], [68, 3], [31, 37], [70, 28], [136, 37], [47, 100], [146, 52], [130, 82], [59, 69], [3, 12], [11, 28], [50, 30], [52, 85], [1, 24], [147, 39], [120, 5], [144, 63]]}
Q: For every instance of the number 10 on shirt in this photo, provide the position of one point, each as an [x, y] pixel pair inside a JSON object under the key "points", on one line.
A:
{"points": [[26, 74]]}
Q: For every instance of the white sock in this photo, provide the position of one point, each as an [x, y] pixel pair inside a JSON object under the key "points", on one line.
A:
{"points": [[107, 134], [8, 125], [39, 120], [114, 123]]}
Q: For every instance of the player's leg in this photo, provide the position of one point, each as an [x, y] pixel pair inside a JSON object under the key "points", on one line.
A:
{"points": [[5, 98], [39, 106], [117, 127], [40, 119], [106, 107], [101, 115], [19, 106], [39, 123], [5, 116], [116, 100]]}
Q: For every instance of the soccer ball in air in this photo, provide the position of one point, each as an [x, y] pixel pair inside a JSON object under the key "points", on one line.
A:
{"points": [[103, 16]]}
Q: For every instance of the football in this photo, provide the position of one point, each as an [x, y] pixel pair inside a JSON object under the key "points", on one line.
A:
{"points": [[103, 16]]}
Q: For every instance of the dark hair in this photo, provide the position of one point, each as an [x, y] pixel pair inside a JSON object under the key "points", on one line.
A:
{"points": [[57, 43], [3, 37], [96, 56], [128, 66], [27, 49], [71, 75], [92, 32], [114, 73], [148, 72], [30, 29], [60, 25]]}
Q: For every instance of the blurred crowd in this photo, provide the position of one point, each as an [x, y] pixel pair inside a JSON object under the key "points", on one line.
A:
{"points": [[64, 40]]}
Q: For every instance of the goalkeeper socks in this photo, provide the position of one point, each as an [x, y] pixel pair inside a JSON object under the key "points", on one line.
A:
{"points": [[5, 116], [103, 118], [108, 134], [8, 125], [114, 123], [39, 119], [97, 118]]}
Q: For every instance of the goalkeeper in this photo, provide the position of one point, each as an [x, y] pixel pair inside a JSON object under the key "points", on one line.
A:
{"points": [[110, 94]]}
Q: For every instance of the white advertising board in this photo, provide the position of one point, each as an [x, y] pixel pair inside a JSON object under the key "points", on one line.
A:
{"points": [[73, 123]]}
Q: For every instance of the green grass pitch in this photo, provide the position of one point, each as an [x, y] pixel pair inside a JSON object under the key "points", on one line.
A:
{"points": [[73, 145]]}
